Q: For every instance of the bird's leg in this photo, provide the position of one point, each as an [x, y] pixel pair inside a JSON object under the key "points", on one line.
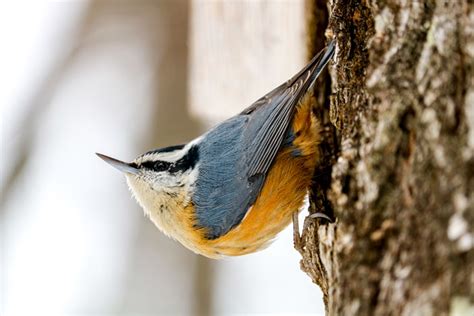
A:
{"points": [[298, 241]]}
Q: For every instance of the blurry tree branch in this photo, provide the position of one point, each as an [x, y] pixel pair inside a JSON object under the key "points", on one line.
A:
{"points": [[30, 121]]}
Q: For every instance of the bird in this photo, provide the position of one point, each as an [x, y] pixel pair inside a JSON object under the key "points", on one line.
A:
{"points": [[230, 191]]}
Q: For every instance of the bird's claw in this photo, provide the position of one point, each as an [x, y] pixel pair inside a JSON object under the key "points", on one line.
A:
{"points": [[321, 215]]}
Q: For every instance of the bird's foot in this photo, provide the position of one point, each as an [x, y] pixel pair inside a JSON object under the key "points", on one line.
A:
{"points": [[299, 240], [321, 215]]}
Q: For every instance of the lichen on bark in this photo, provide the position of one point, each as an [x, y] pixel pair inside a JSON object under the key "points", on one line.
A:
{"points": [[399, 145]]}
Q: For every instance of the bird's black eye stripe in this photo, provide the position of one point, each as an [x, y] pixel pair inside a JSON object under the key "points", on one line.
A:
{"points": [[161, 165], [156, 165], [188, 161]]}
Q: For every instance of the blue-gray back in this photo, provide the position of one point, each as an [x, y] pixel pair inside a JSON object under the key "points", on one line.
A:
{"points": [[235, 156], [223, 192]]}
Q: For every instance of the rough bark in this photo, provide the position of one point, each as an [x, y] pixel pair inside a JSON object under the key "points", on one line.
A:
{"points": [[399, 147]]}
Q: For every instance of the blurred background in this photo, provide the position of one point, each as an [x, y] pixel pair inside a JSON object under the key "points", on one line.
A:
{"points": [[123, 77]]}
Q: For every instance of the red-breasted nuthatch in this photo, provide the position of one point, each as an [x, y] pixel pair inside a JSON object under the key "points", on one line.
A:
{"points": [[231, 190]]}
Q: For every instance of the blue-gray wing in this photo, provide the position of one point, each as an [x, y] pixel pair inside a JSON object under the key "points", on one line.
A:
{"points": [[274, 112], [223, 192], [237, 154]]}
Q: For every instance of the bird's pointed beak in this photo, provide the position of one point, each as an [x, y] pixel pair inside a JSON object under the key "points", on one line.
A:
{"points": [[117, 164]]}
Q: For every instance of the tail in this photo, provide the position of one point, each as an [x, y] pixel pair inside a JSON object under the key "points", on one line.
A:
{"points": [[300, 83], [308, 75]]}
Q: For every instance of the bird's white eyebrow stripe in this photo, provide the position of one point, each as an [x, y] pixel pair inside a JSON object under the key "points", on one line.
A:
{"points": [[165, 149], [168, 156]]}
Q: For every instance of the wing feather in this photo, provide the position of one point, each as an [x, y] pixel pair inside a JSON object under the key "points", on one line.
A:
{"points": [[281, 103], [238, 153]]}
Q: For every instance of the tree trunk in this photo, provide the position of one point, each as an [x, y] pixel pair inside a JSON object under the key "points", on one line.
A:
{"points": [[397, 166]]}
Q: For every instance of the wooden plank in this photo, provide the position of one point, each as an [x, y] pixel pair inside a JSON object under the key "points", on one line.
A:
{"points": [[239, 50]]}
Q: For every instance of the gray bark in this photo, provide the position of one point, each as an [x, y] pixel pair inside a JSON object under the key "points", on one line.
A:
{"points": [[397, 172]]}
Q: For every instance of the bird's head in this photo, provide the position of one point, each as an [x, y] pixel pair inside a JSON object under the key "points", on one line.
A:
{"points": [[161, 177]]}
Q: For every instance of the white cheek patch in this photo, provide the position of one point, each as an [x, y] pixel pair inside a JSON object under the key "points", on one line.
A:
{"points": [[152, 203], [163, 180], [166, 181], [138, 190], [160, 204], [151, 186]]}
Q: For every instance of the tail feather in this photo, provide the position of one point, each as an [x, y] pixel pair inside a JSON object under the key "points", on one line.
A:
{"points": [[313, 69]]}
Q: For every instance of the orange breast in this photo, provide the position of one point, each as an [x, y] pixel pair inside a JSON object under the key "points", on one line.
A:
{"points": [[282, 194]]}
